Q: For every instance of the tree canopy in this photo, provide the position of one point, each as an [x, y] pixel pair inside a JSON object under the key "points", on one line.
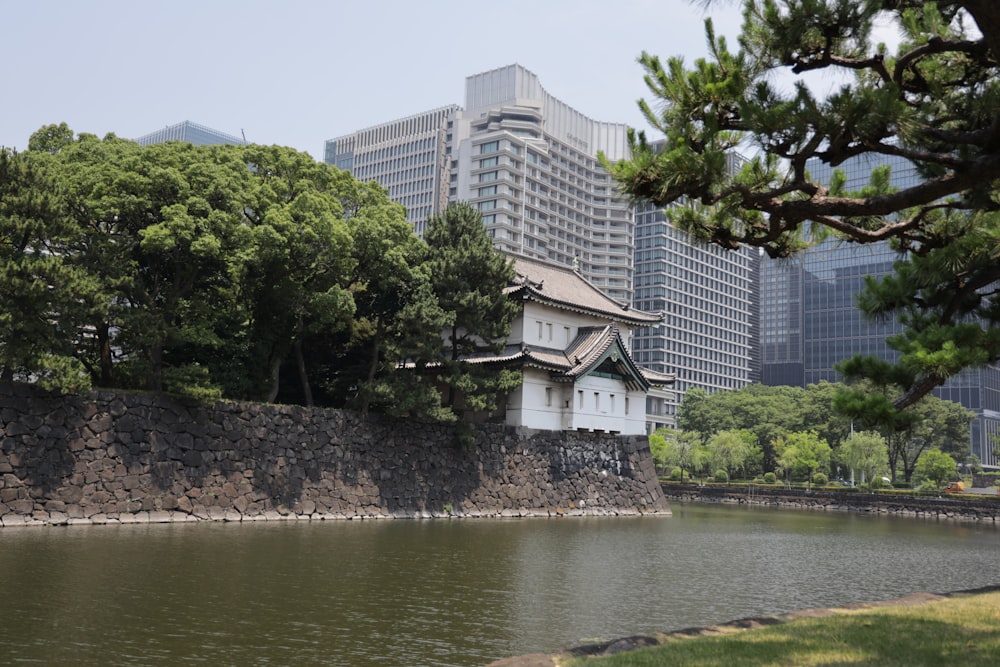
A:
{"points": [[468, 276], [242, 272], [934, 102], [777, 418]]}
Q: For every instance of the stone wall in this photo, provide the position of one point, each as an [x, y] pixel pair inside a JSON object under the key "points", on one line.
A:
{"points": [[126, 458], [882, 502]]}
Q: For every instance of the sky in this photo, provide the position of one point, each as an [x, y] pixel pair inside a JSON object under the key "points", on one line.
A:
{"points": [[299, 72]]}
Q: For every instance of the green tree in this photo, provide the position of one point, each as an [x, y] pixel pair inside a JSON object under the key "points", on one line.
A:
{"points": [[42, 290], [87, 173], [865, 453], [156, 227], [936, 466], [803, 454], [678, 448], [908, 433], [732, 451], [933, 103], [469, 277], [294, 277], [397, 318], [944, 425], [768, 412], [51, 138]]}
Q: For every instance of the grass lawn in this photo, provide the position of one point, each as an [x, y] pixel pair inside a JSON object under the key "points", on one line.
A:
{"points": [[960, 631]]}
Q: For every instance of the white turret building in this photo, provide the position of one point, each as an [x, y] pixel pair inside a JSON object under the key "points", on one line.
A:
{"points": [[572, 343]]}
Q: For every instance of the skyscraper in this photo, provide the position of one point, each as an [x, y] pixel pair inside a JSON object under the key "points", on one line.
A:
{"points": [[810, 320], [525, 159], [409, 157], [192, 132], [709, 337]]}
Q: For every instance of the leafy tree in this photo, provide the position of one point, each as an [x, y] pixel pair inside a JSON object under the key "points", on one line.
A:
{"points": [[865, 453], [658, 448], [87, 173], [928, 423], [156, 228], [39, 302], [732, 451], [696, 413], [934, 103], [768, 412], [944, 425], [803, 454], [469, 277], [397, 317], [936, 466], [51, 138], [678, 448], [293, 280]]}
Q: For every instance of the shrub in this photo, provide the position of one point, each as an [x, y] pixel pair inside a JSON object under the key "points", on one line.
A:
{"points": [[770, 478], [820, 479], [676, 474], [721, 476]]}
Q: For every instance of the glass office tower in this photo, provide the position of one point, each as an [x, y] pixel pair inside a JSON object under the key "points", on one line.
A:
{"points": [[199, 135], [708, 294], [810, 321]]}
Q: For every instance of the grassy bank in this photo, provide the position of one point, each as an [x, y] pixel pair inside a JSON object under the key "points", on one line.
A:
{"points": [[960, 630]]}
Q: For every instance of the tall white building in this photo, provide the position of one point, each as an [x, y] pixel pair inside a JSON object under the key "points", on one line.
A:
{"points": [[525, 159], [409, 157]]}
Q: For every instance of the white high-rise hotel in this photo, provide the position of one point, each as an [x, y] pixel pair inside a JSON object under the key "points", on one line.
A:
{"points": [[528, 162], [524, 158]]}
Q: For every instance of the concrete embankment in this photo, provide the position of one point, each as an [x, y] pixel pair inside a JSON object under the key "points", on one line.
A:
{"points": [[965, 508], [113, 457]]}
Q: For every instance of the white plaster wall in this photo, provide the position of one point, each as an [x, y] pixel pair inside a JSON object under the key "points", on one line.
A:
{"points": [[529, 406], [560, 409], [556, 321]]}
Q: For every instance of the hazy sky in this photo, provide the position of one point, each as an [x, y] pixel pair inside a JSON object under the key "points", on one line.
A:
{"points": [[299, 72]]}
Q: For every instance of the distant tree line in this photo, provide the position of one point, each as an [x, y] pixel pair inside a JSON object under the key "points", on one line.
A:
{"points": [[240, 272], [808, 434]]}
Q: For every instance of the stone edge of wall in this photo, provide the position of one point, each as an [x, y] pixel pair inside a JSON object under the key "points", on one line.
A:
{"points": [[877, 503], [130, 458]]}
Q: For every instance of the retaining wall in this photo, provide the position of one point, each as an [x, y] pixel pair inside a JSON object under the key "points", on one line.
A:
{"points": [[882, 502], [123, 458]]}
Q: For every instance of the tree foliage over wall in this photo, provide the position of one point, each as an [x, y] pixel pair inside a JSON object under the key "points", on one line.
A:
{"points": [[934, 102], [243, 272]]}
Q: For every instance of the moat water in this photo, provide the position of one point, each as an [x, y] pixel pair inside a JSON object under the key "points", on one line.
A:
{"points": [[449, 592]]}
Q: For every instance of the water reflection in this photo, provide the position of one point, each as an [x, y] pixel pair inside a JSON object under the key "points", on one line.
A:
{"points": [[448, 592]]}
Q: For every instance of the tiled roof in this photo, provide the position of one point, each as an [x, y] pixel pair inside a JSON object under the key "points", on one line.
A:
{"points": [[563, 287], [584, 353]]}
